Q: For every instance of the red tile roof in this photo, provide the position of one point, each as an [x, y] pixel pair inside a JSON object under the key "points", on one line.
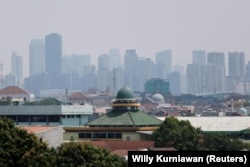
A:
{"points": [[36, 129], [13, 90]]}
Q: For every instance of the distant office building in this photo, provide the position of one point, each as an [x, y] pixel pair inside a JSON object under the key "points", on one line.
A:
{"points": [[175, 82], [146, 71], [89, 80], [199, 57], [103, 72], [79, 62], [10, 80], [179, 68], [104, 62], [248, 70], [17, 68], [247, 78], [115, 58], [66, 64], [38, 82], [218, 60], [157, 85], [53, 58], [236, 64], [117, 79], [163, 61], [131, 68], [195, 81], [36, 56], [235, 80]]}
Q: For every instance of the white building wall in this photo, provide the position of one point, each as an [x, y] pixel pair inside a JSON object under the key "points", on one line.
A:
{"points": [[53, 137]]}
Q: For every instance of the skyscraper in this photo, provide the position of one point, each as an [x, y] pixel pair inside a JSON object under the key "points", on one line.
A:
{"points": [[216, 58], [199, 57], [17, 68], [79, 63], [53, 58], [236, 64], [115, 58], [131, 68], [163, 62], [146, 72], [219, 75], [36, 56], [103, 72]]}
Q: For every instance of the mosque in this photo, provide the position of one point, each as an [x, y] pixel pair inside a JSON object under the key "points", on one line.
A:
{"points": [[124, 122]]}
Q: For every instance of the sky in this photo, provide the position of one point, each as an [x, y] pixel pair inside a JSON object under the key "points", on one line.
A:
{"points": [[149, 26]]}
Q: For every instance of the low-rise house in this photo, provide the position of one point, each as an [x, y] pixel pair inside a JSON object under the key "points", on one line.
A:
{"points": [[52, 135], [14, 95]]}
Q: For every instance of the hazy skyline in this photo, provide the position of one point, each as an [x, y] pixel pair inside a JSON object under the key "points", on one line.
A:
{"points": [[95, 26]]}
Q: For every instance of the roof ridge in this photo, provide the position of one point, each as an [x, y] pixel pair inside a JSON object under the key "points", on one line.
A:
{"points": [[132, 119]]}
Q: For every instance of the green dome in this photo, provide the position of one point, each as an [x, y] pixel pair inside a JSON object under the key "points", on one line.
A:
{"points": [[125, 93]]}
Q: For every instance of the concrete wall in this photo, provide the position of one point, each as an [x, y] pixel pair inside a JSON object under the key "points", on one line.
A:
{"points": [[132, 136], [67, 136], [53, 137]]}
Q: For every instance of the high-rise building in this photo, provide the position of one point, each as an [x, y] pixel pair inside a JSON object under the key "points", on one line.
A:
{"points": [[219, 75], [79, 62], [17, 68], [103, 72], [248, 70], [117, 79], [216, 58], [53, 58], [183, 86], [175, 82], [194, 78], [146, 71], [199, 57], [36, 56], [163, 61], [131, 68], [115, 58], [236, 64]]}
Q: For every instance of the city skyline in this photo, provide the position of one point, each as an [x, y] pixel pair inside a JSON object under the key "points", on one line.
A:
{"points": [[94, 28]]}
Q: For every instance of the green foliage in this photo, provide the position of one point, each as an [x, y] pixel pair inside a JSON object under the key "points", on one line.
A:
{"points": [[221, 142], [17, 146], [183, 136], [22, 149], [178, 134], [75, 154], [46, 101]]}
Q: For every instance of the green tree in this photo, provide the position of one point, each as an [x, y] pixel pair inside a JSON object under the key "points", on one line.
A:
{"points": [[45, 101], [19, 148], [86, 155], [221, 142], [178, 134], [22, 149]]}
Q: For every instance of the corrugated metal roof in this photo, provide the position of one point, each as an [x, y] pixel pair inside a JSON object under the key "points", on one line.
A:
{"points": [[46, 110], [217, 123]]}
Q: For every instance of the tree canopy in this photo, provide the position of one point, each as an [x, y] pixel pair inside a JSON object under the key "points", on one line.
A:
{"points": [[23, 149], [45, 101], [183, 136], [221, 142], [179, 134]]}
